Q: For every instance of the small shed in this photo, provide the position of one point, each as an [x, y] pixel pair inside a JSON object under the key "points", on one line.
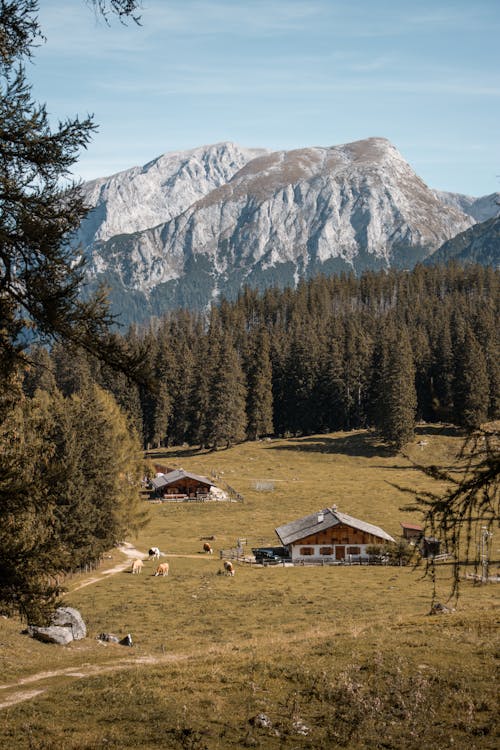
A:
{"points": [[330, 536], [180, 482], [412, 532], [430, 547]]}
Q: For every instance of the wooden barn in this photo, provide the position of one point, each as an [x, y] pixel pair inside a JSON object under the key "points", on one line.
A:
{"points": [[180, 483], [330, 536], [412, 532]]}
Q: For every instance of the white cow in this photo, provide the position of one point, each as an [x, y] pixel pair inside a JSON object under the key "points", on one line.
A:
{"points": [[154, 553], [137, 567]]}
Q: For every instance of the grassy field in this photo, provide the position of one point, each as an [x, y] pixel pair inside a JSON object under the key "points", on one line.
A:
{"points": [[330, 656]]}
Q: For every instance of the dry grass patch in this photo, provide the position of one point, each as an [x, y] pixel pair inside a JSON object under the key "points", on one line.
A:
{"points": [[348, 652]]}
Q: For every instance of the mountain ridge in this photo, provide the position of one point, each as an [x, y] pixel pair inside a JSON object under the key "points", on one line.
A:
{"points": [[220, 216]]}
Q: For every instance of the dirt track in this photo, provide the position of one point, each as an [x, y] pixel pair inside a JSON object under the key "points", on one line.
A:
{"points": [[14, 692]]}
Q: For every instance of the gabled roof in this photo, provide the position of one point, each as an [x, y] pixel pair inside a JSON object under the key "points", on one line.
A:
{"points": [[410, 526], [322, 520], [173, 476]]}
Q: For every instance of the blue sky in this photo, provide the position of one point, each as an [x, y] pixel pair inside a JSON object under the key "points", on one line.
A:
{"points": [[282, 74]]}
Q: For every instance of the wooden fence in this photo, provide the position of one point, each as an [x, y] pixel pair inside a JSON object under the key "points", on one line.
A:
{"points": [[235, 553]]}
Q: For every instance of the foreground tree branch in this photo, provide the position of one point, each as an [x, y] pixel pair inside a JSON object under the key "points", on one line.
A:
{"points": [[467, 514]]}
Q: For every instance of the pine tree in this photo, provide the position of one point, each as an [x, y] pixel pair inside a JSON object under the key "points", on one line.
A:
{"points": [[41, 275], [331, 386], [395, 396], [471, 385], [226, 418], [259, 385]]}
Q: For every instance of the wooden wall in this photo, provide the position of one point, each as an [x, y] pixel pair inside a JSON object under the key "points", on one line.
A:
{"points": [[342, 535]]}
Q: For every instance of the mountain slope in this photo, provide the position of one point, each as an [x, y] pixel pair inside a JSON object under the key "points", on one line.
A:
{"points": [[142, 197], [479, 244], [281, 216], [481, 209]]}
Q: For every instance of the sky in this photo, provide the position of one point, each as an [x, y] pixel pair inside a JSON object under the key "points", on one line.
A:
{"points": [[281, 74]]}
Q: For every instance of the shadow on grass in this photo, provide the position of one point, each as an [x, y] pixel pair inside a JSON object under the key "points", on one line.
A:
{"points": [[438, 429], [184, 452], [356, 444]]}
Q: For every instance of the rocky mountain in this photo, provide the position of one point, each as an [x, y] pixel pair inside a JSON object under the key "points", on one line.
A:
{"points": [[478, 244], [190, 226], [142, 197], [481, 209]]}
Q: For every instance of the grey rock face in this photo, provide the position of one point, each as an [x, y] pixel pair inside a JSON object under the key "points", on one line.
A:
{"points": [[70, 618], [481, 209], [143, 197], [188, 227]]}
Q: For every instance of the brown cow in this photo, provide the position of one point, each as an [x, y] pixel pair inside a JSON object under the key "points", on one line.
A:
{"points": [[162, 569], [228, 568], [207, 548], [137, 566]]}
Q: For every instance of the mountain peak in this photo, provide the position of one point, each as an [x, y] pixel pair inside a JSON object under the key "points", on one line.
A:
{"points": [[192, 224]]}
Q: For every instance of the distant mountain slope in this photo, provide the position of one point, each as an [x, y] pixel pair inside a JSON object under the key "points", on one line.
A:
{"points": [[481, 209], [478, 244], [188, 227]]}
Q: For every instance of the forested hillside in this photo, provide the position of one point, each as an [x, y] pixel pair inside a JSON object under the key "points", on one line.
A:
{"points": [[337, 353]]}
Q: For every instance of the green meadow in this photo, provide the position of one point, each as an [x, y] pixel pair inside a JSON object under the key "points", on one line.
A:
{"points": [[295, 657]]}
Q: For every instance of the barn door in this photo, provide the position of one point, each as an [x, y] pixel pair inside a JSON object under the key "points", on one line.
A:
{"points": [[340, 552]]}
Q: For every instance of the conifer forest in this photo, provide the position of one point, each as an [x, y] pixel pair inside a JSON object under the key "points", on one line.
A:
{"points": [[338, 353]]}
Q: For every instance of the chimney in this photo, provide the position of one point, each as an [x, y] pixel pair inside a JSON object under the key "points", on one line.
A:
{"points": [[321, 517], [334, 508]]}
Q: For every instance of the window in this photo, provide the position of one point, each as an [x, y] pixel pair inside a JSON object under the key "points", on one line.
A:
{"points": [[326, 550], [353, 551], [306, 551]]}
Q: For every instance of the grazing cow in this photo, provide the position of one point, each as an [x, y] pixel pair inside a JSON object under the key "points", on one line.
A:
{"points": [[162, 569], [137, 566], [207, 548], [228, 568], [154, 553]]}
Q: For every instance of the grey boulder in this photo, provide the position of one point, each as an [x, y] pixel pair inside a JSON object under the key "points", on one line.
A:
{"points": [[68, 617], [51, 634]]}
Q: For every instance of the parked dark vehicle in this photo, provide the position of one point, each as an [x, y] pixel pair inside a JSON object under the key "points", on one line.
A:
{"points": [[270, 555]]}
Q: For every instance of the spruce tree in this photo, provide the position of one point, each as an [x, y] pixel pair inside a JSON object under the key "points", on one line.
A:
{"points": [[471, 385], [259, 385], [226, 417], [396, 395]]}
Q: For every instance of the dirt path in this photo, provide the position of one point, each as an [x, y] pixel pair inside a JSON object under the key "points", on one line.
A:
{"points": [[129, 551], [13, 694]]}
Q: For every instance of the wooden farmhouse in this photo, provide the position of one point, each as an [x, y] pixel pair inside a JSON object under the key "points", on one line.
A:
{"points": [[180, 484], [330, 536]]}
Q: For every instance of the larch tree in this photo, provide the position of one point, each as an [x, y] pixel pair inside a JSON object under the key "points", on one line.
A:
{"points": [[40, 282], [465, 516]]}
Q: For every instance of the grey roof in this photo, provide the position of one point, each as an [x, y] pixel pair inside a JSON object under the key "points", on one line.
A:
{"points": [[322, 520], [173, 476]]}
